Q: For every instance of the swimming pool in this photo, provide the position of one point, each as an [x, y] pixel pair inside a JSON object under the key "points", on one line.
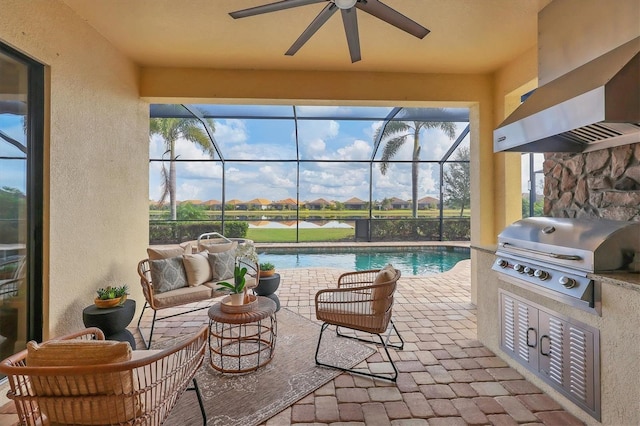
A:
{"points": [[410, 260]]}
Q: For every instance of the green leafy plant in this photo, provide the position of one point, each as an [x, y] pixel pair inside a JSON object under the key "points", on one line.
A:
{"points": [[267, 266], [239, 281], [106, 293]]}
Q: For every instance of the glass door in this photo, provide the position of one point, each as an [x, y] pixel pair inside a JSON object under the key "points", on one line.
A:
{"points": [[21, 116]]}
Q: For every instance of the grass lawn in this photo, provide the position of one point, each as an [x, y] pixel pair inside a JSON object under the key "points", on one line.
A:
{"points": [[278, 235]]}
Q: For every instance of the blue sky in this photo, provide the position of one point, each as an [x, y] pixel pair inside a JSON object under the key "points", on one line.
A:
{"points": [[12, 172], [320, 140], [260, 139]]}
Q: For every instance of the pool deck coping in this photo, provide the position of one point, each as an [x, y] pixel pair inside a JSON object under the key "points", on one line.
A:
{"points": [[465, 244]]}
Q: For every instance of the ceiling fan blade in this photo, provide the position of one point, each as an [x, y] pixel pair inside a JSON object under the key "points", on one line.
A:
{"points": [[272, 7], [393, 17], [322, 17], [350, 21]]}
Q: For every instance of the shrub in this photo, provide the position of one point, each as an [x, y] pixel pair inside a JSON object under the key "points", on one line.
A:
{"points": [[427, 229], [171, 232]]}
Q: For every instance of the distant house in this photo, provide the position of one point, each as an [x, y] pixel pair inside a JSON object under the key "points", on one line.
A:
{"points": [[398, 204], [235, 203], [213, 205], [354, 203], [428, 203], [318, 204], [255, 204], [286, 204], [192, 202]]}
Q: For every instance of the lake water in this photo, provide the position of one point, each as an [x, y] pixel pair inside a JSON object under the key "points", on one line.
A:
{"points": [[411, 261]]}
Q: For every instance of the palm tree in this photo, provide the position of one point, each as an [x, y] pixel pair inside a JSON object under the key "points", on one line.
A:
{"points": [[170, 130], [396, 134]]}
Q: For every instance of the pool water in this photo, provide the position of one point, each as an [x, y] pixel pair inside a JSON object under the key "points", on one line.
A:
{"points": [[411, 261]]}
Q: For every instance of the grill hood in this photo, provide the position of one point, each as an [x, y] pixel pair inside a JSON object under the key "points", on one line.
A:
{"points": [[589, 245], [595, 106]]}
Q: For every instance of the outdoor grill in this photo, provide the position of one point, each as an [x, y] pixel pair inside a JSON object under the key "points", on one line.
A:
{"points": [[554, 256]]}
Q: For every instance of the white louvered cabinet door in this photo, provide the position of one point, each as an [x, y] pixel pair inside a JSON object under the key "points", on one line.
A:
{"points": [[568, 358], [518, 330], [561, 351]]}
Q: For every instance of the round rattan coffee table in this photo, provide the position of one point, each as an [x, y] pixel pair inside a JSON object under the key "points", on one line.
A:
{"points": [[242, 342]]}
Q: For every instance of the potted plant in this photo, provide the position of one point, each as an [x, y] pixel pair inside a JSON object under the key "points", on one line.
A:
{"points": [[237, 288], [267, 269], [109, 297], [245, 252]]}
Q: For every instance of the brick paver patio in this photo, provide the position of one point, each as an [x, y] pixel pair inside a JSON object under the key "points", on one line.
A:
{"points": [[446, 376]]}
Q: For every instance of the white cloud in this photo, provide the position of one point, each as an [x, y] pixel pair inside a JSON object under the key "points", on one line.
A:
{"points": [[317, 129], [426, 182], [315, 149], [188, 191], [320, 140], [202, 170], [372, 129], [358, 150], [231, 131]]}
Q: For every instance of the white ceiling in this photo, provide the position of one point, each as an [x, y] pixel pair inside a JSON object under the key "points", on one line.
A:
{"points": [[467, 36]]}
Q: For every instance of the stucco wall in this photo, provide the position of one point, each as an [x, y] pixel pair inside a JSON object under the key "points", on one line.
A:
{"points": [[96, 150], [510, 83]]}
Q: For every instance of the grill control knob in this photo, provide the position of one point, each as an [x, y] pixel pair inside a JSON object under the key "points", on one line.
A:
{"points": [[567, 282], [518, 268], [502, 263], [529, 271], [542, 275]]}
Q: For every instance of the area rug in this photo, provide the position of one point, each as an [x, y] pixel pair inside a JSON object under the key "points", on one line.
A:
{"points": [[252, 398]]}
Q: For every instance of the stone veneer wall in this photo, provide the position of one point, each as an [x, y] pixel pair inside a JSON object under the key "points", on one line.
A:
{"points": [[598, 184]]}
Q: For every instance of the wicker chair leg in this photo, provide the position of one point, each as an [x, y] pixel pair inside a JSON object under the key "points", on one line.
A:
{"points": [[200, 402], [399, 346], [392, 378], [153, 323]]}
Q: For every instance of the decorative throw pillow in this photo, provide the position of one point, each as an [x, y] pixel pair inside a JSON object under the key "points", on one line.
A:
{"points": [[197, 268], [222, 265], [385, 274], [167, 274], [56, 353], [217, 245], [83, 404], [381, 295], [164, 252]]}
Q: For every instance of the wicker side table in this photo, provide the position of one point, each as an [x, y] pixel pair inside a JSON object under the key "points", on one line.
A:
{"points": [[243, 342]]}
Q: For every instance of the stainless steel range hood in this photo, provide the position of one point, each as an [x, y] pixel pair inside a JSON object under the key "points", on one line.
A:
{"points": [[595, 106]]}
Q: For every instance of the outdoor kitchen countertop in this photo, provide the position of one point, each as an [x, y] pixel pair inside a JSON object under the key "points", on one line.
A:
{"points": [[485, 248], [630, 280]]}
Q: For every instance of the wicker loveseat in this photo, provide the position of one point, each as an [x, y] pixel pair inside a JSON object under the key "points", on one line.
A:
{"points": [[178, 275]]}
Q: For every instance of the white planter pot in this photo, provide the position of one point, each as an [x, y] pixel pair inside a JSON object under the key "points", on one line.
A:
{"points": [[237, 299]]}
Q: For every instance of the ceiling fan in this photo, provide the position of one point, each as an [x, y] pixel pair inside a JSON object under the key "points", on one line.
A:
{"points": [[349, 19]]}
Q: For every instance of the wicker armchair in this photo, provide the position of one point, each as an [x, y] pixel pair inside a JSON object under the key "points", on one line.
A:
{"points": [[362, 302], [141, 389]]}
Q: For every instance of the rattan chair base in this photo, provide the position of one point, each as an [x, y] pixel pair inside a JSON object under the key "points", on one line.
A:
{"points": [[383, 343]]}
